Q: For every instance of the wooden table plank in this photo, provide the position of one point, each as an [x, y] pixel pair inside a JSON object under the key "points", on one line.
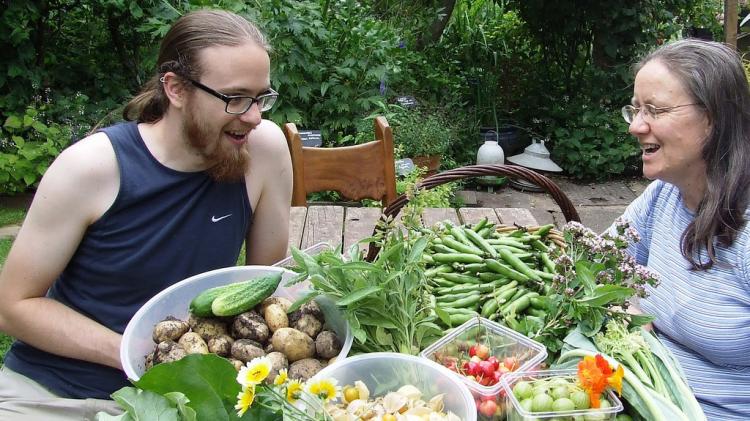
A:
{"points": [[324, 224], [297, 216], [474, 215], [431, 216], [358, 224], [518, 216]]}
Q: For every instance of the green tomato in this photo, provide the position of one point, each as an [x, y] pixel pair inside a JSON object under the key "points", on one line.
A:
{"points": [[540, 389], [527, 404], [563, 405], [523, 390], [542, 403], [558, 392], [604, 404], [580, 399]]}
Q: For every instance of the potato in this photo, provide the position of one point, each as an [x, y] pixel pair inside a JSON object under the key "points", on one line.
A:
{"points": [[327, 344], [308, 325], [221, 345], [167, 352], [149, 361], [276, 318], [293, 343], [192, 343], [304, 369], [236, 363], [169, 329], [250, 325], [207, 327], [246, 349], [278, 361], [281, 301], [310, 307]]}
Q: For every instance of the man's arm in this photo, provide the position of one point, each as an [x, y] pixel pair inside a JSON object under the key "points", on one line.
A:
{"points": [[270, 177], [75, 191]]}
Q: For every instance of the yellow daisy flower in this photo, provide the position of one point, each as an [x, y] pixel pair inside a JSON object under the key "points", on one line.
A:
{"points": [[245, 399], [293, 391], [255, 371], [281, 378], [325, 389]]}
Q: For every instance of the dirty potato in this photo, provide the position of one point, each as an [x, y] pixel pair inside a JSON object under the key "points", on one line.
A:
{"points": [[221, 345], [309, 325], [192, 343], [327, 344], [167, 352], [278, 361], [236, 363], [207, 327], [293, 343], [280, 301], [310, 307], [246, 349], [250, 325], [169, 329], [276, 317], [304, 369]]}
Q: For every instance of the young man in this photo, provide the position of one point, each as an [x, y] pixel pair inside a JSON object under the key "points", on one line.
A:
{"points": [[136, 207]]}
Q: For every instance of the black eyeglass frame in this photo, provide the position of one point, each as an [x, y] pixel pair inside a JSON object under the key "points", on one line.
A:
{"points": [[228, 98]]}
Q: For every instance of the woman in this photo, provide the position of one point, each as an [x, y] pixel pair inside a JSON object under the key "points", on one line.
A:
{"points": [[691, 115]]}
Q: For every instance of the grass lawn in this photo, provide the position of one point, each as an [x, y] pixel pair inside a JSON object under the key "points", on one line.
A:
{"points": [[5, 342], [11, 216]]}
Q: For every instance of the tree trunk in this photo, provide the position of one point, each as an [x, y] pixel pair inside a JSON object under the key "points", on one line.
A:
{"points": [[730, 22], [438, 25]]}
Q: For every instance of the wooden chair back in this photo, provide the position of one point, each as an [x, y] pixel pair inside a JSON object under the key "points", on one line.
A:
{"points": [[365, 171]]}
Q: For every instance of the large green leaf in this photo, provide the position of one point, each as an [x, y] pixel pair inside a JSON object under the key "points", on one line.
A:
{"points": [[605, 294], [208, 381], [141, 405]]}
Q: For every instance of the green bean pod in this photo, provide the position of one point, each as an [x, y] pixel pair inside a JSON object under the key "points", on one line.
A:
{"points": [[518, 265], [504, 270], [457, 258]]}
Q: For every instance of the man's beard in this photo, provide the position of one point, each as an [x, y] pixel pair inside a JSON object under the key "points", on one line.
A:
{"points": [[231, 162]]}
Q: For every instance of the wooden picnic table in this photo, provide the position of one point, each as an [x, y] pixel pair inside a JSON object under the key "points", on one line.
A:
{"points": [[337, 225]]}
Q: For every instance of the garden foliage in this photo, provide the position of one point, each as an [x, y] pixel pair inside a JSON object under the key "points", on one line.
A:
{"points": [[529, 63]]}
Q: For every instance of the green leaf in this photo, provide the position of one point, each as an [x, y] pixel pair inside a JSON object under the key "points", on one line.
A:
{"points": [[143, 405], [18, 140], [208, 381], [13, 122], [606, 294], [302, 300], [357, 295], [180, 401]]}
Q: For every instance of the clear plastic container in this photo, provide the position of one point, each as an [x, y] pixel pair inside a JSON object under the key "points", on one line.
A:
{"points": [[174, 301], [385, 372], [515, 412], [502, 342]]}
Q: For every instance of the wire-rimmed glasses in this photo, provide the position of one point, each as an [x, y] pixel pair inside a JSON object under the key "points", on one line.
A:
{"points": [[650, 111]]}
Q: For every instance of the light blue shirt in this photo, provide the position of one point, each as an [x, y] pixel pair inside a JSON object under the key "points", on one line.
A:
{"points": [[703, 317]]}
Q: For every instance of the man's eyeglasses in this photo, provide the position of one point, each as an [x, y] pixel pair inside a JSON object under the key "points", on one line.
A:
{"points": [[649, 111], [239, 104]]}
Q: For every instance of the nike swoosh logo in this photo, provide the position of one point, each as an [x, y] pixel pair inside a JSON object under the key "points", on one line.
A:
{"points": [[215, 219]]}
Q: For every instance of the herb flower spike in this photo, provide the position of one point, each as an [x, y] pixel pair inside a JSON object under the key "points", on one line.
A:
{"points": [[595, 375]]}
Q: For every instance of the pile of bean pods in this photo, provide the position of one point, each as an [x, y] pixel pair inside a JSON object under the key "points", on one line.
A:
{"points": [[496, 272]]}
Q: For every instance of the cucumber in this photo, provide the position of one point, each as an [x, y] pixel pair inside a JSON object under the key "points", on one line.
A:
{"points": [[201, 304], [242, 299]]}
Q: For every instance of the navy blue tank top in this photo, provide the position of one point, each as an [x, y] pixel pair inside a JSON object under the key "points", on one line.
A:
{"points": [[164, 226]]}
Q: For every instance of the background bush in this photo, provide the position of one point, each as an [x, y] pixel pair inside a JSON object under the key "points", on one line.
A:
{"points": [[66, 65]]}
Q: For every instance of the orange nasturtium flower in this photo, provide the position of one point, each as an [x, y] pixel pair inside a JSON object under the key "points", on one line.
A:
{"points": [[595, 374]]}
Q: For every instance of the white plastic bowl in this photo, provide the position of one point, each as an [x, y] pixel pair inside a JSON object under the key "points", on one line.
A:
{"points": [[385, 372], [137, 339]]}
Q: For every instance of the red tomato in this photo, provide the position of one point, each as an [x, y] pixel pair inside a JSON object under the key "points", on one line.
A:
{"points": [[495, 362], [488, 369], [488, 408], [475, 358], [474, 368], [472, 350], [510, 363], [497, 376]]}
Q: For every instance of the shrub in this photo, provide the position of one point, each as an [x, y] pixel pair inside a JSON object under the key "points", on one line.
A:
{"points": [[27, 147]]}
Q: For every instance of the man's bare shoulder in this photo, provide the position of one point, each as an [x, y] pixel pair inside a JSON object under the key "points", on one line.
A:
{"points": [[91, 158]]}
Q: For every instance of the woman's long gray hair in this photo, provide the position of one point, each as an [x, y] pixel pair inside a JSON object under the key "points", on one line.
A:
{"points": [[178, 53], [713, 76]]}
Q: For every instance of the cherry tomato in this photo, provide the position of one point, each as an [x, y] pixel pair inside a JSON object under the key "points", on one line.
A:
{"points": [[482, 351], [472, 350], [351, 393], [488, 408], [493, 359], [488, 369], [510, 363]]}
